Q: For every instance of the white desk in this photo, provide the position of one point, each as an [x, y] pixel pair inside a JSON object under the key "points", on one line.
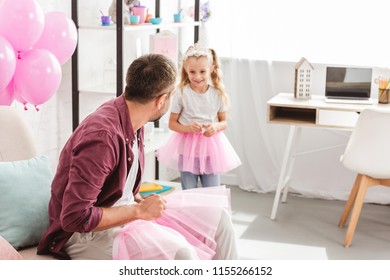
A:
{"points": [[285, 109]]}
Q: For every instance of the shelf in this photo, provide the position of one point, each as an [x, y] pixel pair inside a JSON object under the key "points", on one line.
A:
{"points": [[145, 26], [98, 90], [291, 115]]}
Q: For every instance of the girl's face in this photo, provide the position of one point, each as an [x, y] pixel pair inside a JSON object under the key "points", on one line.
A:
{"points": [[198, 70]]}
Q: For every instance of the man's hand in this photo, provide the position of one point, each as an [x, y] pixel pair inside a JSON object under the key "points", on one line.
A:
{"points": [[151, 207]]}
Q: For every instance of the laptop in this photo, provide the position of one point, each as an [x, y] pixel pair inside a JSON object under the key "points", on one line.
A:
{"points": [[350, 85]]}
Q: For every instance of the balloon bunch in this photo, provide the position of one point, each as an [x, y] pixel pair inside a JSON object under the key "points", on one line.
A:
{"points": [[33, 46]]}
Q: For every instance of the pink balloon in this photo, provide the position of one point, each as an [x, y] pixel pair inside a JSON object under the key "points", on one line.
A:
{"points": [[17, 95], [37, 76], [21, 22], [59, 36], [7, 62], [7, 95], [19, 98]]}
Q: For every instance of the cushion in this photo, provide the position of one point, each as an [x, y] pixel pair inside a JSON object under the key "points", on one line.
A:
{"points": [[25, 194], [7, 252]]}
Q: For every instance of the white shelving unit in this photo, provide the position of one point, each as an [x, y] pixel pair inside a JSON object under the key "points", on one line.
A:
{"points": [[100, 92], [100, 89], [121, 29]]}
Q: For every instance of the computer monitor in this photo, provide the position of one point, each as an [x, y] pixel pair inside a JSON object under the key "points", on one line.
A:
{"points": [[348, 82]]}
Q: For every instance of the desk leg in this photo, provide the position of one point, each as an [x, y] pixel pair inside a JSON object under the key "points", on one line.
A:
{"points": [[287, 166], [293, 155]]}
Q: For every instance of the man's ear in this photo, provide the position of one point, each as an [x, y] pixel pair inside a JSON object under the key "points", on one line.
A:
{"points": [[160, 101]]}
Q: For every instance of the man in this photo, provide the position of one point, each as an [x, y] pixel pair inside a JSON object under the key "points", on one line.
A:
{"points": [[95, 189]]}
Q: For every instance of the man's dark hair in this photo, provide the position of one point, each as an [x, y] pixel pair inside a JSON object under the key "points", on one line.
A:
{"points": [[148, 77]]}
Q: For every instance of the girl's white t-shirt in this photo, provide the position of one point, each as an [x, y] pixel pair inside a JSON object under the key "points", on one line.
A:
{"points": [[197, 107]]}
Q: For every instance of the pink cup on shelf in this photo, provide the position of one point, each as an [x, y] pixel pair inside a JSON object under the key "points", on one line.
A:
{"points": [[140, 11]]}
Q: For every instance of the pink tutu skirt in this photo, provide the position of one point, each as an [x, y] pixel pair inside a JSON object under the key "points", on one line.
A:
{"points": [[199, 154], [190, 221]]}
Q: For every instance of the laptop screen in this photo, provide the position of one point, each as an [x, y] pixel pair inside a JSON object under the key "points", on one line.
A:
{"points": [[348, 82]]}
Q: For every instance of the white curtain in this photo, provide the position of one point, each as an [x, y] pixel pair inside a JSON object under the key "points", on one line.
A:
{"points": [[317, 171]]}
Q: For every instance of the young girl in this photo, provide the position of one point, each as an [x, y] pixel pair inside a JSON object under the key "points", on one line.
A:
{"points": [[199, 149]]}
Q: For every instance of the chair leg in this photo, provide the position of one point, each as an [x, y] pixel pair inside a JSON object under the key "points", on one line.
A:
{"points": [[350, 202], [364, 184]]}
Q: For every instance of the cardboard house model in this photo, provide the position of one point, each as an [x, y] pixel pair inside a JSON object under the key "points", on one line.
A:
{"points": [[303, 76]]}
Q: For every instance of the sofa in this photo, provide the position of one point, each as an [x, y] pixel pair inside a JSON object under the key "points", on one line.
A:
{"points": [[25, 178]]}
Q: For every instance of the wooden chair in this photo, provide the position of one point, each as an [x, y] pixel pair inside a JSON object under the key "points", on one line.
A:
{"points": [[368, 154]]}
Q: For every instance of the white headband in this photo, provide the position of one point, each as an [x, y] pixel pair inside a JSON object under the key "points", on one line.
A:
{"points": [[197, 51]]}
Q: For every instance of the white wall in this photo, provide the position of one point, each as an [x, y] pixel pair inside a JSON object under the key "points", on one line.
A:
{"points": [[332, 31]]}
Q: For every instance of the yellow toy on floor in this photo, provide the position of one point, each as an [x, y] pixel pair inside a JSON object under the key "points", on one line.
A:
{"points": [[149, 187]]}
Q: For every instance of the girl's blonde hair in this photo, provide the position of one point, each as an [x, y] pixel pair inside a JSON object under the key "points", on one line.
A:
{"points": [[215, 75]]}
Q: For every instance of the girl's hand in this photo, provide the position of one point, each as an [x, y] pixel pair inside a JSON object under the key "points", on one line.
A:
{"points": [[195, 127], [210, 129]]}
